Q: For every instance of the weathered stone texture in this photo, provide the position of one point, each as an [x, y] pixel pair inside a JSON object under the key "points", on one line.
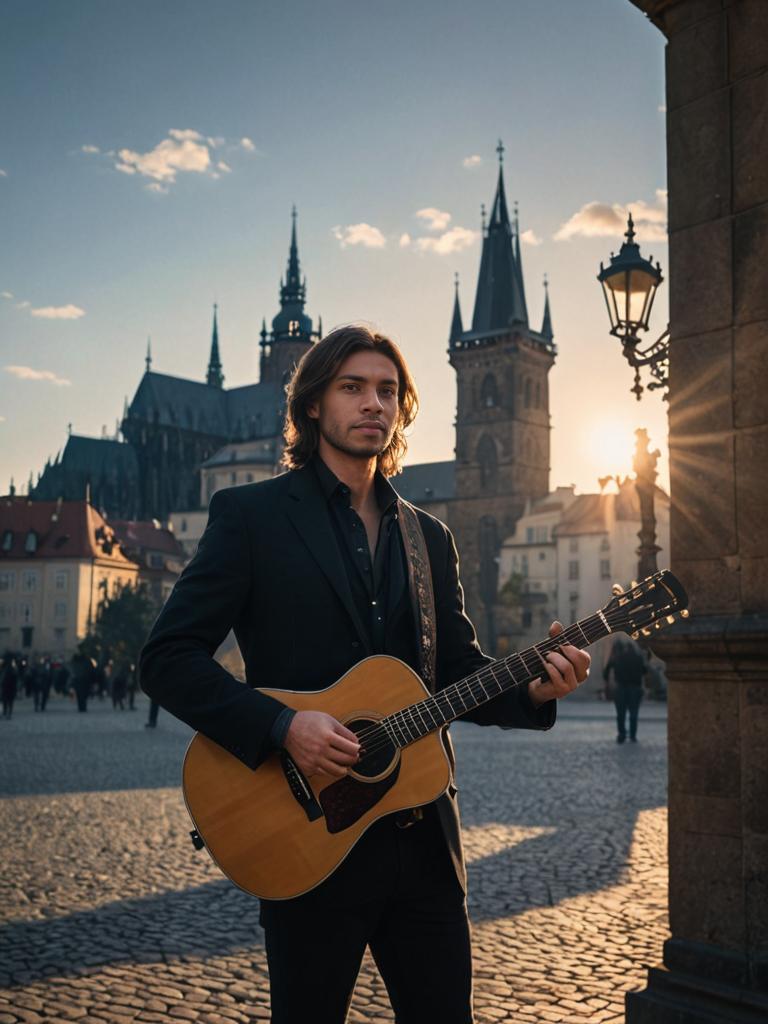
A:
{"points": [[700, 266], [693, 134]]}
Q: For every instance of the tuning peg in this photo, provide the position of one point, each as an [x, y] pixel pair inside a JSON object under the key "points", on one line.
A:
{"points": [[657, 625], [616, 590], [670, 619], [645, 631], [635, 635], [633, 584], [685, 613]]}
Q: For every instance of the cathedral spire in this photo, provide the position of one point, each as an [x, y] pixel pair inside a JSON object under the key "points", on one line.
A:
{"points": [[291, 321], [148, 357], [500, 298], [215, 377], [546, 325], [457, 328], [519, 269]]}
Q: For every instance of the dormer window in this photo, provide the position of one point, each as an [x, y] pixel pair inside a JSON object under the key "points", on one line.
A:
{"points": [[30, 543], [7, 540]]}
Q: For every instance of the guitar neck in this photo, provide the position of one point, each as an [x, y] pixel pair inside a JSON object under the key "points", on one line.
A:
{"points": [[493, 679]]}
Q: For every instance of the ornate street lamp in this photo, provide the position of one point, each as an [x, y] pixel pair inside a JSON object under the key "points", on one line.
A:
{"points": [[629, 287]]}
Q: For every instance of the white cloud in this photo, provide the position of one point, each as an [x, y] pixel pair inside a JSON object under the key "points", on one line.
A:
{"points": [[405, 240], [604, 220], [23, 305], [6, 295], [185, 150], [155, 186], [69, 312], [186, 135], [436, 220], [3, 174], [360, 234], [451, 241], [90, 149], [247, 144], [2, 419], [224, 167], [472, 161], [530, 237], [662, 108], [27, 373]]}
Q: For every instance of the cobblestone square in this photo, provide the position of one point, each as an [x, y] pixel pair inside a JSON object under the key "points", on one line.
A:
{"points": [[110, 916]]}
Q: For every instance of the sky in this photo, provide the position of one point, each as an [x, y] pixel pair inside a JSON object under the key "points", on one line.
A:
{"points": [[151, 154]]}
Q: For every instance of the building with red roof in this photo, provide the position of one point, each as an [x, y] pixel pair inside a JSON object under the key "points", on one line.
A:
{"points": [[57, 560]]}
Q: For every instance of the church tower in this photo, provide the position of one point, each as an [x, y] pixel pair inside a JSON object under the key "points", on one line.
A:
{"points": [[292, 333], [502, 418]]}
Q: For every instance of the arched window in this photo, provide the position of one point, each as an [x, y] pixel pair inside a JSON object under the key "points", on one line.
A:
{"points": [[489, 560], [537, 400], [489, 392], [489, 463], [30, 543], [527, 392]]}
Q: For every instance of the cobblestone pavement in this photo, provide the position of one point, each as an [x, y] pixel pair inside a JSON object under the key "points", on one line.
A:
{"points": [[109, 916]]}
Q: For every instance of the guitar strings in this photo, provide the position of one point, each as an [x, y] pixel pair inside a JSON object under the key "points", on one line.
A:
{"points": [[472, 686]]}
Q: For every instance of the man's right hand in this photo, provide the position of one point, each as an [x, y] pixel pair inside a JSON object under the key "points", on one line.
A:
{"points": [[320, 745]]}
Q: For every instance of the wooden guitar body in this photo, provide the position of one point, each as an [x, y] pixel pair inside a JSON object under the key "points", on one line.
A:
{"points": [[276, 840]]}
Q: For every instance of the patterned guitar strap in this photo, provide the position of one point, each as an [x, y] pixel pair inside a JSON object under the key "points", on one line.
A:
{"points": [[422, 594]]}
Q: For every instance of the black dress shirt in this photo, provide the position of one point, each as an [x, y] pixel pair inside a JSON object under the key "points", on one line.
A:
{"points": [[378, 581]]}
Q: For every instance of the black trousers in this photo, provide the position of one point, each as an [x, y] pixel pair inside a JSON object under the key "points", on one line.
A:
{"points": [[627, 699], [396, 893]]}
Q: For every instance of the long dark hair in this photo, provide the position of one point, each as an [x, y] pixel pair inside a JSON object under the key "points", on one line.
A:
{"points": [[316, 370]]}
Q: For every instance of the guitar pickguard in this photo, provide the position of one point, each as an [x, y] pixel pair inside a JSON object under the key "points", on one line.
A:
{"points": [[346, 801]]}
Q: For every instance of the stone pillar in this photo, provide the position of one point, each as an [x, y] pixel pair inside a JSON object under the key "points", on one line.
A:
{"points": [[716, 960]]}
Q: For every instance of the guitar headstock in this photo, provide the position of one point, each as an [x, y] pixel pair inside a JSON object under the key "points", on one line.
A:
{"points": [[653, 602]]}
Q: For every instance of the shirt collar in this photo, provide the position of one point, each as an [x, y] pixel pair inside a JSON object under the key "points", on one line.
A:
{"points": [[335, 489]]}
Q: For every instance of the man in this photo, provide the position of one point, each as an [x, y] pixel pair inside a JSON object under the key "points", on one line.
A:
{"points": [[629, 666], [311, 570]]}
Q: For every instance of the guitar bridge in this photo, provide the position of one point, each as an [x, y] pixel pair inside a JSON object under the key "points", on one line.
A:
{"points": [[300, 788]]}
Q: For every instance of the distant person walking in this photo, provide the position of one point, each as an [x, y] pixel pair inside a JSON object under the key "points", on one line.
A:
{"points": [[151, 722], [119, 687], [628, 665], [82, 679], [9, 678], [43, 677]]}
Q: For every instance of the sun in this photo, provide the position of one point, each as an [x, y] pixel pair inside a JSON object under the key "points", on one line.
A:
{"points": [[610, 446]]}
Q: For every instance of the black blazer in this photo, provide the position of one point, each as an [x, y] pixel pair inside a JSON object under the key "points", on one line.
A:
{"points": [[268, 566]]}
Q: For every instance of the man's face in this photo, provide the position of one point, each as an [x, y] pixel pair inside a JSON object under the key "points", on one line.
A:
{"points": [[358, 410]]}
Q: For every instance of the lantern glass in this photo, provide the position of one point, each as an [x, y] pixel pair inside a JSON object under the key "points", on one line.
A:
{"points": [[629, 294]]}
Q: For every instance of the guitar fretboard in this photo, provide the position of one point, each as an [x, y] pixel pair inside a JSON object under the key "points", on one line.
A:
{"points": [[417, 720]]}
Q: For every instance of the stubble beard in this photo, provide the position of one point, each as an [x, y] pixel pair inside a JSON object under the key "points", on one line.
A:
{"points": [[333, 435]]}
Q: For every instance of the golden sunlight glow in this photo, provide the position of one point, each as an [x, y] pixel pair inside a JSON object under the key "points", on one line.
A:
{"points": [[609, 444]]}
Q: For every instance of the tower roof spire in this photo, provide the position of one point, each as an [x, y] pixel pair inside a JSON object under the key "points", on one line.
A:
{"points": [[148, 357], [215, 377], [457, 327], [500, 298], [546, 324]]}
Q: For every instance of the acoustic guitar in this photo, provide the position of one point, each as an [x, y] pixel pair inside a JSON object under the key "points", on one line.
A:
{"points": [[278, 834]]}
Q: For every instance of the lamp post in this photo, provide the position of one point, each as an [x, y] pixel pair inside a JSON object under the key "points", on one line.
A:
{"points": [[644, 465], [629, 287]]}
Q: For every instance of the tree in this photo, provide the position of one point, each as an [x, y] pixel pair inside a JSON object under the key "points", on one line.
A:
{"points": [[122, 624]]}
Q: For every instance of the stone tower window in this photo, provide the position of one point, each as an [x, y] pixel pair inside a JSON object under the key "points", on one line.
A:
{"points": [[489, 392], [537, 400], [527, 392], [489, 463]]}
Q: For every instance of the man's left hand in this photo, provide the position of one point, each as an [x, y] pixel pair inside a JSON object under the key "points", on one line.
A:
{"points": [[566, 668]]}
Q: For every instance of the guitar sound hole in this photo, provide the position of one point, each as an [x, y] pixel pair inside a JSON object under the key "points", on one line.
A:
{"points": [[380, 752]]}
